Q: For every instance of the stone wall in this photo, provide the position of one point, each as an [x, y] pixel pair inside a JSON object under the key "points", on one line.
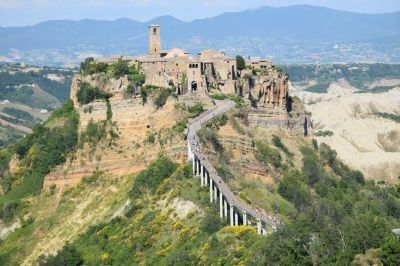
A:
{"points": [[296, 121]]}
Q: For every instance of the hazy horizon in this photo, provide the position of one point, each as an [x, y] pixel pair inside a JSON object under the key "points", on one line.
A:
{"points": [[30, 12]]}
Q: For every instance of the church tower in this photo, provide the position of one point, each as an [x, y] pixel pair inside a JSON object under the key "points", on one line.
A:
{"points": [[154, 40]]}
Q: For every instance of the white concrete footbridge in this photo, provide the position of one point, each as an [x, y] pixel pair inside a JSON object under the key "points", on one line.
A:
{"points": [[230, 208]]}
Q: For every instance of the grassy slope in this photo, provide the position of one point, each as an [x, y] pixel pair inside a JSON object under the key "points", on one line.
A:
{"points": [[324, 195], [38, 153], [51, 220], [170, 220]]}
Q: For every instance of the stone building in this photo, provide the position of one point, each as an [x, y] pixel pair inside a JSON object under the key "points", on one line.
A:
{"points": [[211, 69], [195, 74]]}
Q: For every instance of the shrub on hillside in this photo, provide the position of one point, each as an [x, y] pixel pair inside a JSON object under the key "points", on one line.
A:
{"points": [[326, 133], [161, 98], [267, 154], [195, 110], [390, 251], [277, 141], [292, 189], [87, 94], [9, 210], [211, 222], [312, 168], [208, 135], [67, 256], [153, 176]]}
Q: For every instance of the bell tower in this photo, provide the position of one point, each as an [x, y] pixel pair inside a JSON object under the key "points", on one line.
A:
{"points": [[154, 40]]}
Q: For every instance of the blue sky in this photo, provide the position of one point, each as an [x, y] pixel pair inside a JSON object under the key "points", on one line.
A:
{"points": [[28, 12]]}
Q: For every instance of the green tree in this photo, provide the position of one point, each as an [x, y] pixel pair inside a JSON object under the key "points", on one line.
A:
{"points": [[211, 222], [120, 68], [390, 251], [161, 98], [87, 94], [85, 65], [240, 63]]}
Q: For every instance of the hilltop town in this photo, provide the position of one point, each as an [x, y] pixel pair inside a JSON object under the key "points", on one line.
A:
{"points": [[210, 69], [173, 158], [193, 79]]}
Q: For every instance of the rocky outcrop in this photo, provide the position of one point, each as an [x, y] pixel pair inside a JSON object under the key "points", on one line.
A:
{"points": [[129, 153], [265, 91], [295, 121], [115, 87], [271, 105]]}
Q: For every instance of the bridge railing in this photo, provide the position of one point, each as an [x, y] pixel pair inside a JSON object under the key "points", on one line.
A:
{"points": [[218, 181]]}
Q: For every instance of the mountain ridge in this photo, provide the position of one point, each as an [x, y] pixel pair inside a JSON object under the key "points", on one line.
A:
{"points": [[264, 32]]}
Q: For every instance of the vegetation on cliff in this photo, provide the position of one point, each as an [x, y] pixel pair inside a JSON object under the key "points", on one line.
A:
{"points": [[240, 63], [337, 215], [48, 146], [168, 222], [331, 212], [87, 94], [161, 216], [116, 70], [160, 95]]}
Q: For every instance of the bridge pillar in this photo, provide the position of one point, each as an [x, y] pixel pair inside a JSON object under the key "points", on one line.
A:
{"points": [[211, 192], [215, 193], [263, 231], [194, 165], [201, 175], [259, 226], [231, 214], [205, 175], [199, 167], [244, 218], [221, 207], [225, 209], [236, 219], [190, 152]]}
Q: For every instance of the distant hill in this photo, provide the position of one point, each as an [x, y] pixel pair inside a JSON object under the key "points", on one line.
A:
{"points": [[265, 31], [27, 96]]}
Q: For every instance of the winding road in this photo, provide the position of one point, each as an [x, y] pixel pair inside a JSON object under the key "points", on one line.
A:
{"points": [[195, 153]]}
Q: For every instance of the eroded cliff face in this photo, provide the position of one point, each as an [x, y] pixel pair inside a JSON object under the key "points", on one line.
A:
{"points": [[129, 152], [271, 105], [265, 90], [126, 150]]}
